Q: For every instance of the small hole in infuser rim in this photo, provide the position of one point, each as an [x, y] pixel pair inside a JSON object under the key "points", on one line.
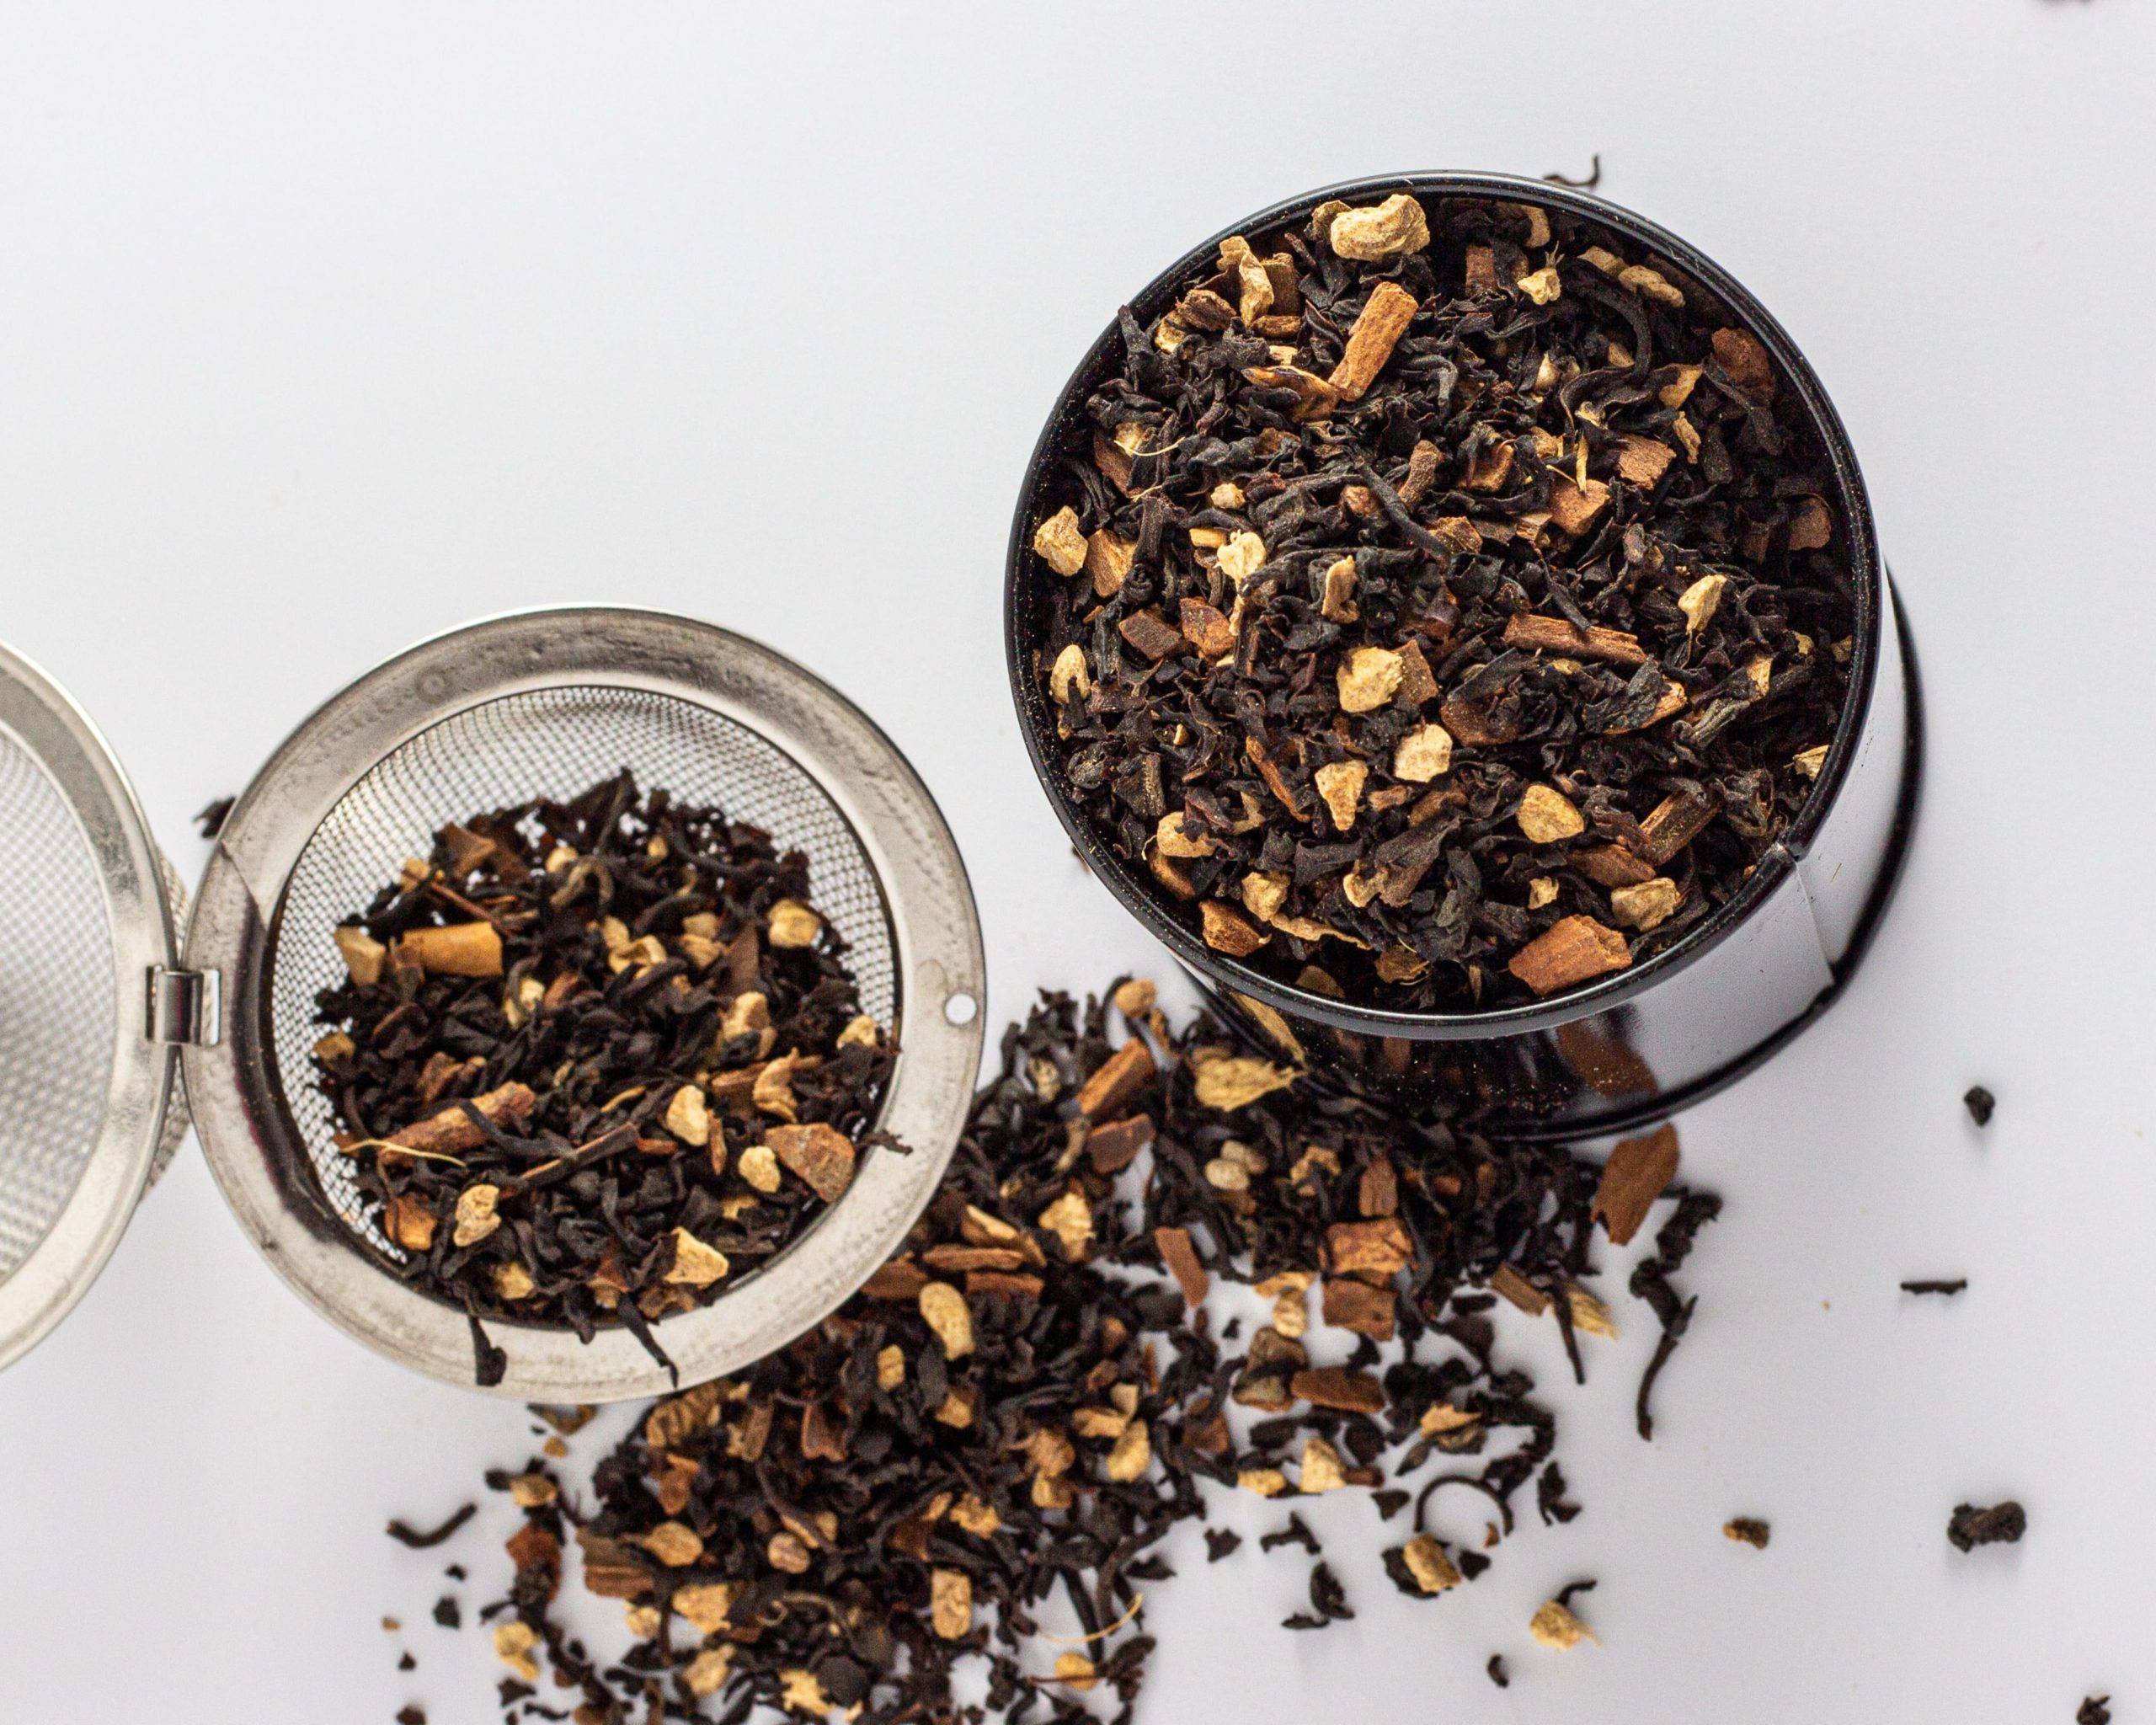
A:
{"points": [[960, 1009]]}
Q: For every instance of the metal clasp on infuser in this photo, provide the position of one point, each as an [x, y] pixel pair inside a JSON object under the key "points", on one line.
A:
{"points": [[184, 1006]]}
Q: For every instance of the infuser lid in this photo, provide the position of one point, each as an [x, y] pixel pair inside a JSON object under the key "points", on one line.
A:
{"points": [[91, 1005]]}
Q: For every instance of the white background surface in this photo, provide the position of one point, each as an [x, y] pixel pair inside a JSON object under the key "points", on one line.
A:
{"points": [[323, 327]]}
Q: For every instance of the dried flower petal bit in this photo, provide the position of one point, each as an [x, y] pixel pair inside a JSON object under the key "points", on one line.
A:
{"points": [[1574, 950], [1700, 602], [1555, 1626], [1386, 230], [1228, 1082], [950, 1603], [364, 956], [475, 1215], [1638, 1172], [1426, 1562], [1059, 543], [514, 1642], [1369, 677], [1383, 320], [1340, 786], [696, 1264], [1647, 905], [793, 924], [1425, 753], [943, 1309], [1548, 817], [1227, 930], [1810, 761], [1242, 557], [1068, 677]]}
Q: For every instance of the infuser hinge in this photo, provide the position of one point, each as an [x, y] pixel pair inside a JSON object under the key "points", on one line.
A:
{"points": [[184, 1006]]}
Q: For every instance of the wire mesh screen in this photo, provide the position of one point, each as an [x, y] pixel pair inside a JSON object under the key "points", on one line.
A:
{"points": [[546, 743], [57, 1003]]}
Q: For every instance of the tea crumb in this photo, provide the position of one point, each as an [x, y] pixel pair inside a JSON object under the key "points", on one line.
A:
{"points": [[2094, 1709], [1495, 1670], [1746, 1531], [1219, 1542], [1971, 1525], [1955, 1286], [1979, 1102]]}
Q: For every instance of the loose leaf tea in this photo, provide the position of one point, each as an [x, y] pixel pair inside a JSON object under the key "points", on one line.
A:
{"points": [[1746, 1530], [1018, 1407], [1970, 1526], [1980, 1102], [1955, 1286], [2094, 1709], [420, 1539], [1441, 605], [594, 1060]]}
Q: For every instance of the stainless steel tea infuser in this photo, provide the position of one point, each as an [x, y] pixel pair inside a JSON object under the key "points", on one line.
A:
{"points": [[101, 1004]]}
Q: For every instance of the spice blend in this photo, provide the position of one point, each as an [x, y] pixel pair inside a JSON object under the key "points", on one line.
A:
{"points": [[1440, 603], [1014, 1412], [594, 1060]]}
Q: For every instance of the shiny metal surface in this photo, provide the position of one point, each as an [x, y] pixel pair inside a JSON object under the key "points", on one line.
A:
{"points": [[494, 714], [1638, 1042], [86, 1112]]}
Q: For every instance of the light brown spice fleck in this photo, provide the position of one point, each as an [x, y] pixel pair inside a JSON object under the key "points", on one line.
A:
{"points": [[1425, 753], [1647, 905], [1548, 817], [943, 1309], [1059, 543], [1368, 678]]}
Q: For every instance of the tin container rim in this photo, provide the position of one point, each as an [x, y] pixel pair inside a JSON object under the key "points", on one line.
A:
{"points": [[1136, 896]]}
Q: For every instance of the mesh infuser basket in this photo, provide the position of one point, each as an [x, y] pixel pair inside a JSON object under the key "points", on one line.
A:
{"points": [[538, 704]]}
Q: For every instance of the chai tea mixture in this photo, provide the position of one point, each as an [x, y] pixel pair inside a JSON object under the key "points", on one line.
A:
{"points": [[1008, 1419], [1441, 605], [595, 1060]]}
